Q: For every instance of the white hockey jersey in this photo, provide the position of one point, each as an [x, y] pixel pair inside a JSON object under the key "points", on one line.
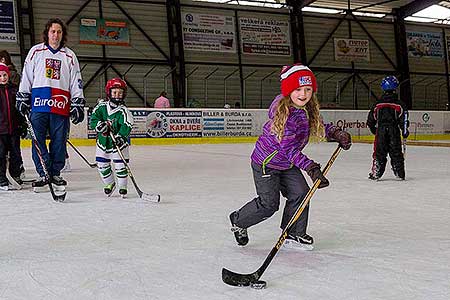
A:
{"points": [[53, 78]]}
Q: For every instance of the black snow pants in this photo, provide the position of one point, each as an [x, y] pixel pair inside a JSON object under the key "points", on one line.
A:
{"points": [[10, 144], [388, 141], [292, 185]]}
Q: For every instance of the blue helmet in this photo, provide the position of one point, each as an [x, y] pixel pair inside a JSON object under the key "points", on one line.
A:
{"points": [[389, 83]]}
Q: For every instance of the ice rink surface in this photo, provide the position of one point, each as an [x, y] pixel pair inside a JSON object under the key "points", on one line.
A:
{"points": [[373, 240]]}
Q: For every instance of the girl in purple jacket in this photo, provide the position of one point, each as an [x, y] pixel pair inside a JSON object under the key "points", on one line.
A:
{"points": [[277, 159]]}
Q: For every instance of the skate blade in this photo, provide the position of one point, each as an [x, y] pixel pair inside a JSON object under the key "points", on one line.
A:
{"points": [[112, 192], [297, 246], [41, 189], [59, 188]]}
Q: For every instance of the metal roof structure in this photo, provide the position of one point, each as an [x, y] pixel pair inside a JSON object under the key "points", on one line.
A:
{"points": [[382, 8]]}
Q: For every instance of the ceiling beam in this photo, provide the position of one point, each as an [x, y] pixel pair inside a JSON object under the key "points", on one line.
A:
{"points": [[300, 3], [373, 4], [416, 6]]}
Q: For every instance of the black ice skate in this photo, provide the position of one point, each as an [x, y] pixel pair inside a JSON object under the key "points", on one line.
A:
{"points": [[302, 242], [400, 173], [59, 184], [123, 192], [4, 184], [40, 185], [109, 189], [373, 177], [240, 234]]}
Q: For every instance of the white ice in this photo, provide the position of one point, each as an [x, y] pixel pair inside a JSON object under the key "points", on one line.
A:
{"points": [[373, 240]]}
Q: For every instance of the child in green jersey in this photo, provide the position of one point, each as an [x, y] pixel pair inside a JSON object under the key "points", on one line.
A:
{"points": [[112, 116]]}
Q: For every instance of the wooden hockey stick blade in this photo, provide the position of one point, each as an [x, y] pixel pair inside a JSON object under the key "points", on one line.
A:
{"points": [[13, 182]]}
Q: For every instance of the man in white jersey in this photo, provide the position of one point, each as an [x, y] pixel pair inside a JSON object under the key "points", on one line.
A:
{"points": [[51, 91]]}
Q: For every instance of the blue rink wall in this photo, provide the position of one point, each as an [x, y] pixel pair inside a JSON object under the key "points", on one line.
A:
{"points": [[192, 126]]}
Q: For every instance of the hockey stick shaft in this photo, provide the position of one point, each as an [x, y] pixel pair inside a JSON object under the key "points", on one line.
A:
{"points": [[405, 128], [154, 198], [92, 165], [237, 279], [138, 190], [58, 198]]}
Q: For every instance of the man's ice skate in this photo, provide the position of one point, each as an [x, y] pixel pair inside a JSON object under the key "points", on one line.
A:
{"points": [[59, 184], [109, 189], [67, 168], [304, 242], [40, 185], [123, 192], [240, 234]]}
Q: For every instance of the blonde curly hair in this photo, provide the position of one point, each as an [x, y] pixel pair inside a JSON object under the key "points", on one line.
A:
{"points": [[316, 128]]}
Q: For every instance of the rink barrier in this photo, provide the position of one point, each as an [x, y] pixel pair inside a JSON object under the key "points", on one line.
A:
{"points": [[213, 126], [438, 140], [234, 123]]}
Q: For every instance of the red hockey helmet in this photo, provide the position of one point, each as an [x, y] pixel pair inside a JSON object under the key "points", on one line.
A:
{"points": [[115, 83]]}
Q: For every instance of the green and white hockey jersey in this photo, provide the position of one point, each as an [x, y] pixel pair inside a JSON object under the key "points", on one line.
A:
{"points": [[121, 121]]}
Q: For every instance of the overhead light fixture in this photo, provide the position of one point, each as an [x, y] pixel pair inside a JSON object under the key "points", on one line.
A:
{"points": [[434, 11], [321, 10], [373, 15], [420, 19]]}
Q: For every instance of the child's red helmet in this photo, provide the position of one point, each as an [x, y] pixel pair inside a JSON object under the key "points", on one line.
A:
{"points": [[115, 83]]}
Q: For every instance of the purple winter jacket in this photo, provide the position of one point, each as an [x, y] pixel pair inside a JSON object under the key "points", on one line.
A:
{"points": [[270, 152]]}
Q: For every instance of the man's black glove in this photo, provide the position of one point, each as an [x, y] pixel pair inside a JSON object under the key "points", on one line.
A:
{"points": [[77, 110], [313, 171], [23, 101]]}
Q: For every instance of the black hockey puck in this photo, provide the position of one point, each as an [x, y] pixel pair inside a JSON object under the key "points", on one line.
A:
{"points": [[259, 285]]}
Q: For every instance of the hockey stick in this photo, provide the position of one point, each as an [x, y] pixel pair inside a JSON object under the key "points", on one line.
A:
{"points": [[92, 165], [57, 198], [142, 195], [237, 279], [405, 127], [11, 180]]}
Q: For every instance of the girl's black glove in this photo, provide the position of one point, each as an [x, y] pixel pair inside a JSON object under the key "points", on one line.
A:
{"points": [[313, 171], [343, 138]]}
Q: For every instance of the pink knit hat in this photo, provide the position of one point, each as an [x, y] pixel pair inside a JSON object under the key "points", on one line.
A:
{"points": [[295, 76], [5, 68]]}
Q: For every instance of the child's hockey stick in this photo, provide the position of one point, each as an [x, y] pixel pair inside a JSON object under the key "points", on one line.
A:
{"points": [[237, 279], [92, 165], [142, 195]]}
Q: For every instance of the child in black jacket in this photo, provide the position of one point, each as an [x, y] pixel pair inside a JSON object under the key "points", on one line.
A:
{"points": [[12, 127], [388, 120]]}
